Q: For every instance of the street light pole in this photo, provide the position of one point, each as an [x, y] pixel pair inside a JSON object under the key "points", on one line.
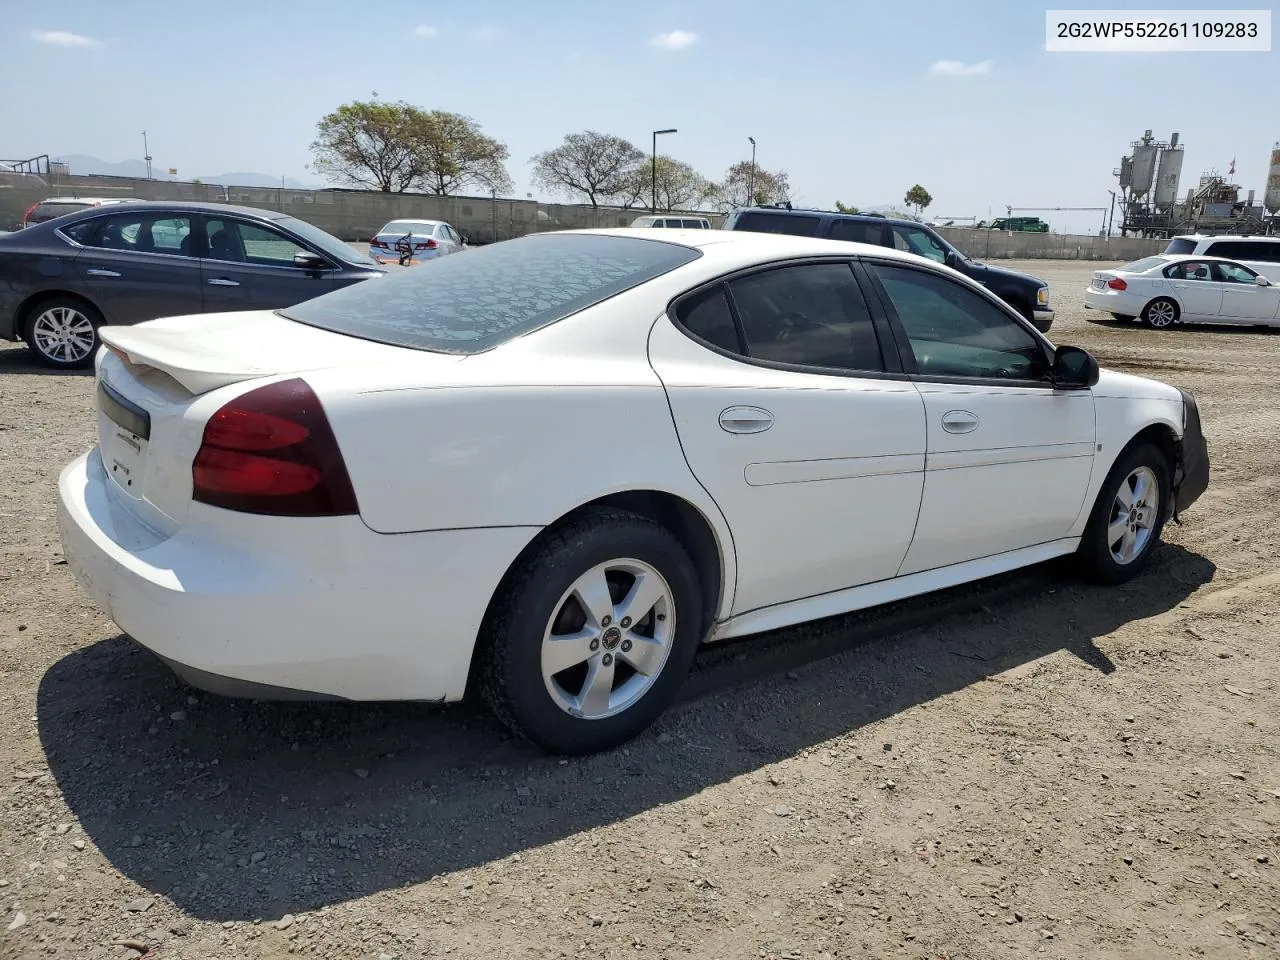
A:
{"points": [[146, 153], [751, 182], [653, 196]]}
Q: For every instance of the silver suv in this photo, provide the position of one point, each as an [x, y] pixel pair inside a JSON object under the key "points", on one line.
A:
{"points": [[1260, 254]]}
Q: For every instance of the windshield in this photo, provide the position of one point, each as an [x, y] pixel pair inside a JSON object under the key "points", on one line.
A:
{"points": [[1143, 265], [325, 241], [465, 305]]}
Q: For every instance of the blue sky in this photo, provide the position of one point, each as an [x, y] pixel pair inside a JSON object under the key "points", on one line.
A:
{"points": [[840, 94]]}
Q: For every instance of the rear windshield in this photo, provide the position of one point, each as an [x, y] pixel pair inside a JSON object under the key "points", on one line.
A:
{"points": [[1143, 265], [408, 226], [51, 211], [326, 242], [1180, 245], [798, 226], [465, 305]]}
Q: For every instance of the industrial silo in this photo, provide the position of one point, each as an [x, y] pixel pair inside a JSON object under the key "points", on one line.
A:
{"points": [[1142, 171], [1170, 173], [1271, 199]]}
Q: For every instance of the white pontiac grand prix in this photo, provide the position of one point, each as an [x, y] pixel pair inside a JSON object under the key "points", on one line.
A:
{"points": [[550, 469]]}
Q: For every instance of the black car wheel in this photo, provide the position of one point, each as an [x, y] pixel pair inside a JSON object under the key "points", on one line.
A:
{"points": [[63, 332]]}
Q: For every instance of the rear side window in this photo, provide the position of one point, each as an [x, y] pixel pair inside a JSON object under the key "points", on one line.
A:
{"points": [[856, 231], [1180, 245], [135, 233], [798, 226], [1231, 249], [466, 305], [707, 315], [45, 212]]}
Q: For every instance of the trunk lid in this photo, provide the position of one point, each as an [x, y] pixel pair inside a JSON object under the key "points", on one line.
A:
{"points": [[158, 383], [1101, 277]]}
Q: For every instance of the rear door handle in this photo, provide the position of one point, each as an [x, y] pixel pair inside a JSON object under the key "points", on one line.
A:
{"points": [[222, 282], [745, 420], [100, 272], [959, 421]]}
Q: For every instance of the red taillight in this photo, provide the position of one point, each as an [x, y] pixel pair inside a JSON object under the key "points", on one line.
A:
{"points": [[272, 451], [1115, 283], [375, 242], [30, 210], [429, 245]]}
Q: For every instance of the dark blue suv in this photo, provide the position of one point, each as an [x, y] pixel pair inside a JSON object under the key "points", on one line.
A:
{"points": [[1027, 294]]}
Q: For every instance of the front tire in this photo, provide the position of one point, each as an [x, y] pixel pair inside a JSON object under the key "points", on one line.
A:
{"points": [[63, 332], [1127, 517], [1161, 313], [590, 636]]}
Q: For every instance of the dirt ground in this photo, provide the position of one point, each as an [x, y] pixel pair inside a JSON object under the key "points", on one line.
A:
{"points": [[1025, 767]]}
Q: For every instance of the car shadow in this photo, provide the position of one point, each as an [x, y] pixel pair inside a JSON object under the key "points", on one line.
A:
{"points": [[1099, 319], [239, 810], [18, 360]]}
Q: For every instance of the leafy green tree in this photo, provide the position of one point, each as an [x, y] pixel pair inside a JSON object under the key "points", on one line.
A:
{"points": [[370, 144], [843, 209], [452, 154], [918, 197]]}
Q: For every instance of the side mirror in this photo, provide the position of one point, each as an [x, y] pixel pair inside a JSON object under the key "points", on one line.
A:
{"points": [[1262, 281], [1074, 369], [951, 259], [310, 261]]}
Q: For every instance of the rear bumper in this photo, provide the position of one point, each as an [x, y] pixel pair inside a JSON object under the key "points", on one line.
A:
{"points": [[281, 608]]}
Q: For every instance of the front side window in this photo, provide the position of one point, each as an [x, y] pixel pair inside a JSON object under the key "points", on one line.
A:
{"points": [[919, 242], [465, 305], [234, 241], [1234, 273], [957, 332], [811, 315], [136, 233]]}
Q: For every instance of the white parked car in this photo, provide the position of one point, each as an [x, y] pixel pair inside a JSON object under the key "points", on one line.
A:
{"points": [[1259, 254], [551, 469], [412, 241], [1165, 290], [671, 222]]}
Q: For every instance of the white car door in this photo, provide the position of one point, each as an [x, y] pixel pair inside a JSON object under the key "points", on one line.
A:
{"points": [[1242, 298], [1198, 293], [815, 457], [1008, 456], [441, 236]]}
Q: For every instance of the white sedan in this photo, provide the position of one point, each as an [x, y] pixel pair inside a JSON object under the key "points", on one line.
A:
{"points": [[549, 470], [413, 241], [1165, 290]]}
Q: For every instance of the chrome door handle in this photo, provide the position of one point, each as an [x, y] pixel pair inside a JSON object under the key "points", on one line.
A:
{"points": [[99, 272], [745, 420], [222, 282], [959, 421]]}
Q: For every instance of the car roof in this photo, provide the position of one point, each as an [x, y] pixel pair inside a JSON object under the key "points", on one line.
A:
{"points": [[834, 214], [763, 246], [1224, 236], [86, 199], [1182, 258], [187, 206]]}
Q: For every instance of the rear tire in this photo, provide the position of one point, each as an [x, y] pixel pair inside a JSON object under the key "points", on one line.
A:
{"points": [[590, 636], [62, 332], [1161, 313], [1128, 516]]}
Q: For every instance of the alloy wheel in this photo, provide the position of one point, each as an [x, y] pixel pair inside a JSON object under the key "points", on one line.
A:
{"points": [[1134, 512], [63, 334]]}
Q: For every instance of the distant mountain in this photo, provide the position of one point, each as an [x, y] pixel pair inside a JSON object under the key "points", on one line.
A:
{"points": [[85, 165]]}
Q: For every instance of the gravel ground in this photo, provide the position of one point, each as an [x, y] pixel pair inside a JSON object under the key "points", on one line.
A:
{"points": [[1023, 767]]}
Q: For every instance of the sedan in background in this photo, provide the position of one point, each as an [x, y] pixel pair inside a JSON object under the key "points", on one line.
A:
{"points": [[380, 494], [128, 262], [1165, 290], [412, 241], [55, 207]]}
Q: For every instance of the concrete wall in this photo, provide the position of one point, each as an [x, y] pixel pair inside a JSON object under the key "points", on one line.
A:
{"points": [[358, 214]]}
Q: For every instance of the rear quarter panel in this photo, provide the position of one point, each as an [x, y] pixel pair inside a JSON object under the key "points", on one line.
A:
{"points": [[26, 272]]}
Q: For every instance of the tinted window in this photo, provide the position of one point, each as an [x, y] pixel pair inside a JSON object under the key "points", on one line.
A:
{"points": [[237, 242], [1180, 245], [856, 231], [778, 223], [956, 332], [1235, 249], [707, 315], [919, 242], [136, 233], [811, 315], [493, 294], [1234, 273]]}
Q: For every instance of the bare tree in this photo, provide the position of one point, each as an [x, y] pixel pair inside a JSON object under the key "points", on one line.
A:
{"points": [[598, 166], [741, 187], [679, 186]]}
